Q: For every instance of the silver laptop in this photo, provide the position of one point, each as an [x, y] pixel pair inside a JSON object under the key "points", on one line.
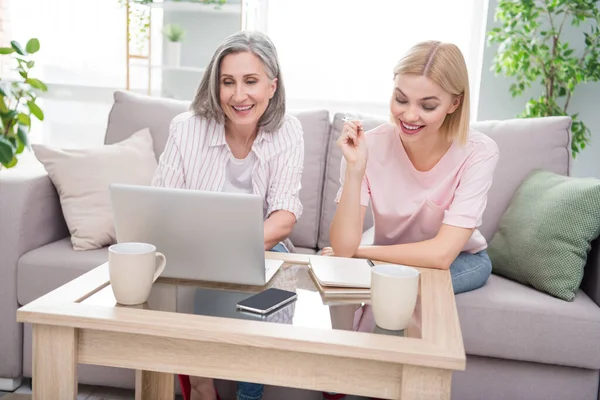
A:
{"points": [[209, 236]]}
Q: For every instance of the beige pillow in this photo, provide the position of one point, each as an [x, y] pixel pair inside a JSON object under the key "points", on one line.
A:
{"points": [[82, 178]]}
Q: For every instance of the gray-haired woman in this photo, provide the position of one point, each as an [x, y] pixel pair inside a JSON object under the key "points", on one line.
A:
{"points": [[238, 138]]}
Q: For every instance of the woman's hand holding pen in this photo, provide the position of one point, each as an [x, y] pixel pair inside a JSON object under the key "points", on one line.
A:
{"points": [[353, 143]]}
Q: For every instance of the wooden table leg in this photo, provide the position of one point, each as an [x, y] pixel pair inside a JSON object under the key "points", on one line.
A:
{"points": [[419, 383], [151, 385], [54, 363]]}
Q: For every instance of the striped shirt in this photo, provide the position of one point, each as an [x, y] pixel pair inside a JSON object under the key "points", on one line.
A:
{"points": [[196, 156]]}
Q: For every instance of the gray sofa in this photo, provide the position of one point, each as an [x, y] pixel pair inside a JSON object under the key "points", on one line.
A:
{"points": [[521, 344]]}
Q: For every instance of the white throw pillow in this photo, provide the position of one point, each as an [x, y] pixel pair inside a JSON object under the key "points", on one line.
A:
{"points": [[82, 178]]}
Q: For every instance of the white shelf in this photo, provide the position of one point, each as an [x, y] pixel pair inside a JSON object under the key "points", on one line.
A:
{"points": [[186, 6], [171, 68], [178, 68]]}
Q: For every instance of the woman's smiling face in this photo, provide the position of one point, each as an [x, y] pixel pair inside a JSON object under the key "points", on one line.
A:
{"points": [[244, 89], [419, 106]]}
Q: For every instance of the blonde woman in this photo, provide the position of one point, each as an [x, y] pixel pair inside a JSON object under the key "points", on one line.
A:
{"points": [[426, 173]]}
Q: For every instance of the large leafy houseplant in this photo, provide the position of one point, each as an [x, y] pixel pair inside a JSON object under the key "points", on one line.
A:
{"points": [[18, 102], [532, 49]]}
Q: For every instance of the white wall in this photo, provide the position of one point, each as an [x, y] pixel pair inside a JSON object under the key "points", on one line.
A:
{"points": [[496, 102]]}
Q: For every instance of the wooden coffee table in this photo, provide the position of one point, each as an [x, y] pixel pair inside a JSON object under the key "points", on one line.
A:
{"points": [[178, 331]]}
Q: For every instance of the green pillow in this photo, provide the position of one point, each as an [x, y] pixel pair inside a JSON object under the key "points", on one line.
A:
{"points": [[545, 234]]}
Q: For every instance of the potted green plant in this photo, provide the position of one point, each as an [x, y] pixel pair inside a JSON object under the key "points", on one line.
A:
{"points": [[532, 48], [18, 102], [174, 34]]}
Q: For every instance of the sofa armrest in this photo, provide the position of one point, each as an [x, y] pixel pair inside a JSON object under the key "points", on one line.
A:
{"points": [[591, 275], [30, 217]]}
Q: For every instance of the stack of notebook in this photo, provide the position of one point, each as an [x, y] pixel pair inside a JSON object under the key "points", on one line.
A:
{"points": [[338, 277]]}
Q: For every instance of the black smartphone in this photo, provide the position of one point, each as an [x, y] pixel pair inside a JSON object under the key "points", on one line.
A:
{"points": [[267, 301]]}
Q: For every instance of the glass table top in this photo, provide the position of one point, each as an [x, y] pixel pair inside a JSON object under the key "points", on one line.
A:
{"points": [[309, 310]]}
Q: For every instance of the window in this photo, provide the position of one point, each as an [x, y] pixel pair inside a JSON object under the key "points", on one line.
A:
{"points": [[82, 41], [342, 52], [337, 54]]}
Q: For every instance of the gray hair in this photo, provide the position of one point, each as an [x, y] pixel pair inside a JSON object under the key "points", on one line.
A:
{"points": [[207, 103]]}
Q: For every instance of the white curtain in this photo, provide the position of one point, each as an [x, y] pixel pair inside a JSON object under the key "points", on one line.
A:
{"points": [[342, 52]]}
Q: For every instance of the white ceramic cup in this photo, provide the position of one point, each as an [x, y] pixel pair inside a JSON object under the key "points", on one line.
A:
{"points": [[394, 291], [133, 268]]}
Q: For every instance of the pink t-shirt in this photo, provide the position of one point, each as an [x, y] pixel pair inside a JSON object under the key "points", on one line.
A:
{"points": [[410, 206]]}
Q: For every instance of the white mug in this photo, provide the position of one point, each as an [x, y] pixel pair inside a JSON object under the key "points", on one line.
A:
{"points": [[133, 268], [394, 291]]}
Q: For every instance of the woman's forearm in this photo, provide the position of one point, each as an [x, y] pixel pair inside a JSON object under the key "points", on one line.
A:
{"points": [[420, 254], [346, 229], [438, 252], [278, 227]]}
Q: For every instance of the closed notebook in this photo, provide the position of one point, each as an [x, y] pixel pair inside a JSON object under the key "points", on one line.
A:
{"points": [[341, 272], [341, 293]]}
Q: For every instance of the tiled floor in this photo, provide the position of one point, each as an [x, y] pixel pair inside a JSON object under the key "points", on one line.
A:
{"points": [[87, 392]]}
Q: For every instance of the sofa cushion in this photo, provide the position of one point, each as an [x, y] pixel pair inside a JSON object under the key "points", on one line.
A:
{"points": [[131, 112], [525, 144], [305, 250], [82, 178], [332, 173], [46, 268], [505, 319], [545, 234], [315, 126]]}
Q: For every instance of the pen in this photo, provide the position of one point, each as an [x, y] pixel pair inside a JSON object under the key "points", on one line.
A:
{"points": [[348, 119], [370, 263]]}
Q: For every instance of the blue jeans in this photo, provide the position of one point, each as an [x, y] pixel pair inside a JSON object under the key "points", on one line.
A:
{"points": [[254, 391], [470, 271]]}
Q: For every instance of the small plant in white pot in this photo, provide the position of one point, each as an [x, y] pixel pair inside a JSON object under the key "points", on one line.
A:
{"points": [[174, 34]]}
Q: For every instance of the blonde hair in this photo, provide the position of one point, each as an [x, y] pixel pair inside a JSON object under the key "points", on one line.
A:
{"points": [[444, 64]]}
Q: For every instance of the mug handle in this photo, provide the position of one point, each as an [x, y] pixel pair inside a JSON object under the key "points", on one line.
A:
{"points": [[160, 265]]}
